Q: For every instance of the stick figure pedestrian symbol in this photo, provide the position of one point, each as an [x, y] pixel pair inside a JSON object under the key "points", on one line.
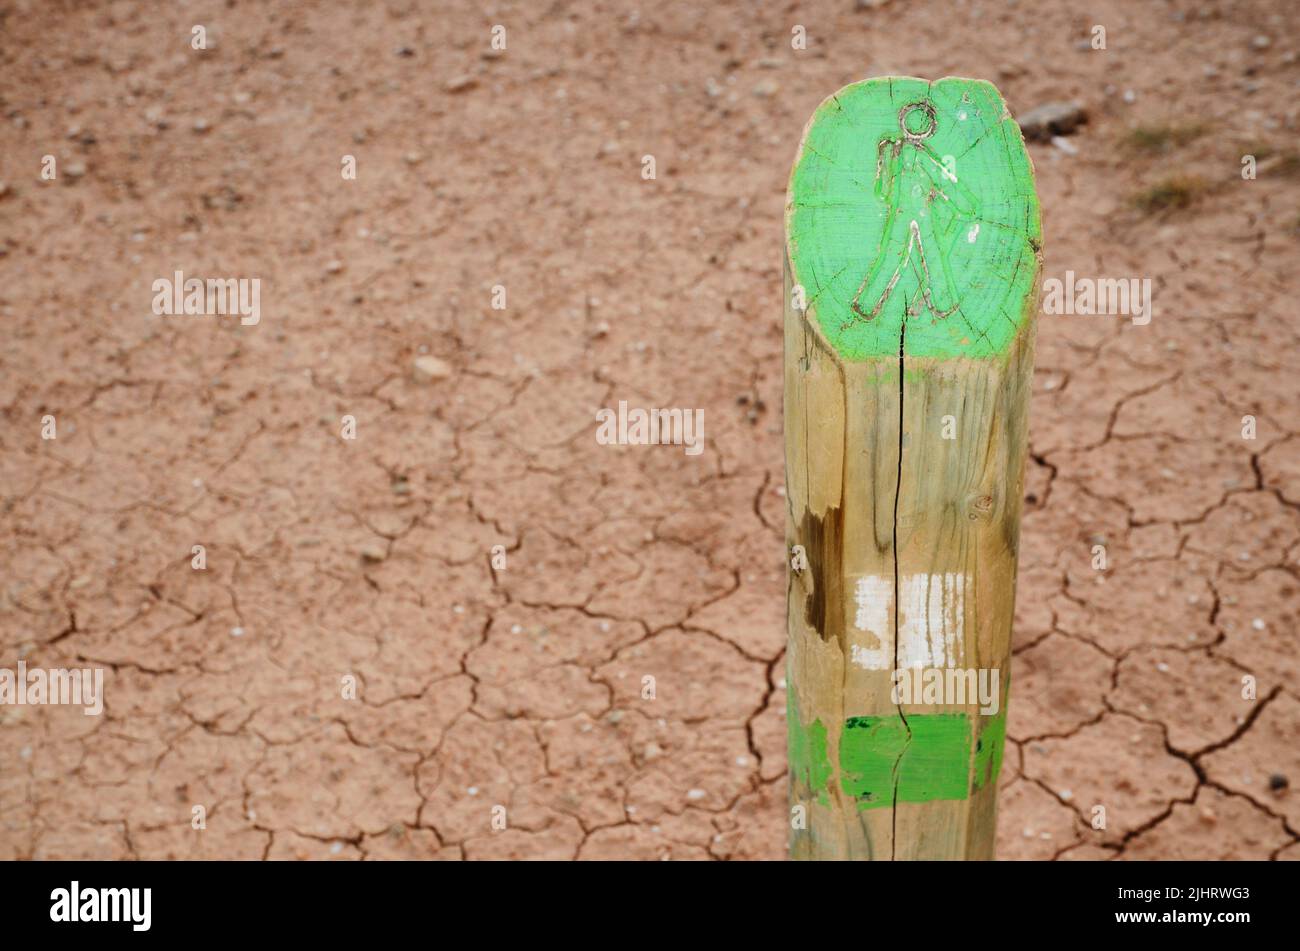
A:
{"points": [[916, 187]]}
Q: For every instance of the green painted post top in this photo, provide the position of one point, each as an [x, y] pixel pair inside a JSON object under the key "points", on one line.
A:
{"points": [[912, 225]]}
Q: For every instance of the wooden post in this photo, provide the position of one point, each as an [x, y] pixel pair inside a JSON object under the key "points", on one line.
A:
{"points": [[912, 266]]}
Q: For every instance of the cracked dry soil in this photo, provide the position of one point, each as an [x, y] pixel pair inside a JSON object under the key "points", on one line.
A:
{"points": [[522, 686]]}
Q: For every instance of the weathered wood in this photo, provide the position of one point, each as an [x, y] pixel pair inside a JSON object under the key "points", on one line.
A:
{"points": [[912, 266]]}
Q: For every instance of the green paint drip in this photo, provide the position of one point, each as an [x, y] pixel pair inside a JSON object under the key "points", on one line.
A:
{"points": [[927, 759], [914, 202], [810, 764]]}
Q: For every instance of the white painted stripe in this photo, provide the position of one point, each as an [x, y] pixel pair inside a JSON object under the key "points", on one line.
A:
{"points": [[874, 598], [931, 621]]}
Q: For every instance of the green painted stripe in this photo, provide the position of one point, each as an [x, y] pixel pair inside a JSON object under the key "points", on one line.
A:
{"points": [[810, 763], [928, 759], [883, 759], [988, 749], [915, 196]]}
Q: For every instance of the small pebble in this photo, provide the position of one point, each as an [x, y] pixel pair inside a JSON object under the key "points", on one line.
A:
{"points": [[428, 369], [1052, 119], [460, 84], [1065, 145]]}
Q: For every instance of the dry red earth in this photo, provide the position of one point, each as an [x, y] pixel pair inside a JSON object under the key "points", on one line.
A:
{"points": [[521, 687]]}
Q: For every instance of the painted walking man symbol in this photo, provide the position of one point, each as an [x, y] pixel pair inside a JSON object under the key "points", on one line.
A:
{"points": [[909, 179]]}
